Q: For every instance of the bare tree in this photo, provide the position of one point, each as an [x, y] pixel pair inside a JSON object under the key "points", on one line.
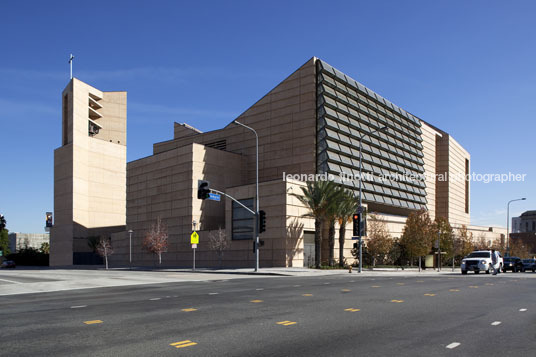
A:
{"points": [[481, 242], [219, 243], [499, 245], [156, 239], [105, 249], [380, 241], [464, 243], [519, 249]]}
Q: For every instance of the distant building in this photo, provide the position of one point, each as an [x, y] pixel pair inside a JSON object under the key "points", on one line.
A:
{"points": [[19, 241], [526, 223]]}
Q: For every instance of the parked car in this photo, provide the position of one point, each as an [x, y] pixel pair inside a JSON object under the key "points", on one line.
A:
{"points": [[514, 264], [480, 260], [8, 264], [529, 264]]}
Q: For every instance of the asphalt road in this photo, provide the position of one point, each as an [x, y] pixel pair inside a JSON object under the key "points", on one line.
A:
{"points": [[474, 315]]}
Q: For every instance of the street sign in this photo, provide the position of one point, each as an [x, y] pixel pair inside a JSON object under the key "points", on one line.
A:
{"points": [[194, 246], [194, 238], [214, 197]]}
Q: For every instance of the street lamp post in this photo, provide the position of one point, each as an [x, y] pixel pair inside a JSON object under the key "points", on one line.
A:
{"points": [[384, 129], [256, 193], [130, 231], [508, 223]]}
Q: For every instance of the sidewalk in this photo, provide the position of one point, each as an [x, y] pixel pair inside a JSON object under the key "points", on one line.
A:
{"points": [[296, 271]]}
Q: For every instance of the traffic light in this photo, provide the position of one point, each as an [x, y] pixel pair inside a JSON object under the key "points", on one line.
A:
{"points": [[203, 191], [363, 225], [356, 218], [262, 221], [261, 244], [48, 222]]}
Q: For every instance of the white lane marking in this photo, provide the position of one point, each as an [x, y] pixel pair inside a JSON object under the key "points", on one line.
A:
{"points": [[154, 299], [11, 281], [522, 310], [297, 286], [495, 323], [327, 283], [453, 345], [352, 281], [213, 293], [78, 306], [260, 289]]}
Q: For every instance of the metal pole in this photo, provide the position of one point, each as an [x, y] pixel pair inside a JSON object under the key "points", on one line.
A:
{"points": [[360, 206], [71, 64], [439, 248], [508, 224], [256, 194], [360, 193], [508, 229], [130, 248], [193, 266]]}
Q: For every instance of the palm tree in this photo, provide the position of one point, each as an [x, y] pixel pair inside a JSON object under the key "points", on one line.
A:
{"points": [[345, 209], [2, 222], [318, 196], [333, 214]]}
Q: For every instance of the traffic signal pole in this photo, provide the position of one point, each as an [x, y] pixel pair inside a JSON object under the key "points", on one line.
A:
{"points": [[256, 193]]}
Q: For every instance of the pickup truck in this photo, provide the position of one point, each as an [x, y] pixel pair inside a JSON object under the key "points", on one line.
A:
{"points": [[480, 260]]}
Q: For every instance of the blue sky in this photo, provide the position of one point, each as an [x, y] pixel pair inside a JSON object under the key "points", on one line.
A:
{"points": [[466, 67]]}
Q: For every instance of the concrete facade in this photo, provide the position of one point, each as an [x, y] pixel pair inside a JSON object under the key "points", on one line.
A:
{"points": [[89, 169], [308, 124]]}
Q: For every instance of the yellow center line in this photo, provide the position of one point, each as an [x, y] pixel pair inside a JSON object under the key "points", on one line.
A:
{"points": [[473, 286], [286, 323], [490, 284], [307, 295], [257, 301], [397, 300], [352, 309], [375, 286], [189, 309], [346, 290], [429, 294], [93, 322], [182, 344], [454, 290], [399, 283]]}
